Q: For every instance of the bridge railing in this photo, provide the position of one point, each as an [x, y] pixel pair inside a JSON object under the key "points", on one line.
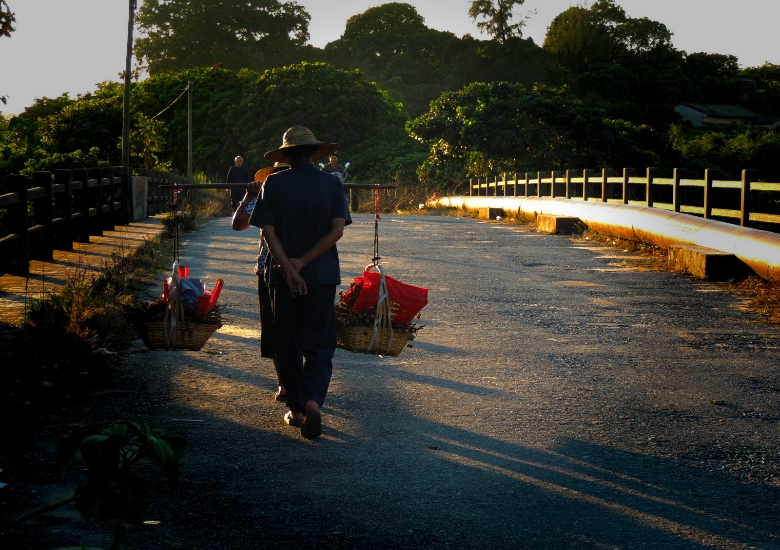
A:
{"points": [[745, 201], [50, 211]]}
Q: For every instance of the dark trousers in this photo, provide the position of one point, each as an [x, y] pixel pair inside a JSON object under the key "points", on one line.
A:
{"points": [[235, 197], [305, 332]]}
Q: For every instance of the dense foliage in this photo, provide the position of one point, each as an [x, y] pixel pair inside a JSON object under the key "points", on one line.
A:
{"points": [[392, 46], [502, 127], [257, 34], [601, 91]]}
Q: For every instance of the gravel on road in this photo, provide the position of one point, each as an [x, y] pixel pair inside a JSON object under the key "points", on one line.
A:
{"points": [[559, 396]]}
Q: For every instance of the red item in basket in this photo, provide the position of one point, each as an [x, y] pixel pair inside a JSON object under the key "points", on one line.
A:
{"points": [[406, 301], [206, 302]]}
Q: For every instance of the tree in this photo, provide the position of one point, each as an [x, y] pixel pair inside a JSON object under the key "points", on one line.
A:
{"points": [[93, 120], [393, 47], [256, 34], [767, 74], [714, 77], [166, 139], [337, 105], [492, 128], [7, 20], [603, 33], [579, 41], [497, 15]]}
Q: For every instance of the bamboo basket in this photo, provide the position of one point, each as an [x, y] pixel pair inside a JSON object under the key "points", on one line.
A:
{"points": [[190, 335], [356, 339]]}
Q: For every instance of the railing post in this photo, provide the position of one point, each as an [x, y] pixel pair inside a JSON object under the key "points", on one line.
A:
{"points": [[495, 186], [471, 187], [515, 185], [527, 179], [504, 176], [19, 264], [64, 204], [744, 210], [95, 195], [42, 216], [107, 197], [586, 174], [539, 176], [627, 174], [707, 194], [568, 183], [605, 173], [81, 205], [120, 214], [676, 190], [651, 173]]}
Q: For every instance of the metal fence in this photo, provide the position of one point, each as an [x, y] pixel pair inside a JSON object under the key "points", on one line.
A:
{"points": [[745, 201]]}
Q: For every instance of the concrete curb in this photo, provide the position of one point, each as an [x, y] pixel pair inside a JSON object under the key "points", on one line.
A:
{"points": [[760, 250]]}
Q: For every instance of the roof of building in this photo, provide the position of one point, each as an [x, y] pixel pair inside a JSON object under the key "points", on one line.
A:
{"points": [[723, 111]]}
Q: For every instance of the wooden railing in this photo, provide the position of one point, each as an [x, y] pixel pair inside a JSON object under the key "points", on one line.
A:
{"points": [[734, 201], [51, 211]]}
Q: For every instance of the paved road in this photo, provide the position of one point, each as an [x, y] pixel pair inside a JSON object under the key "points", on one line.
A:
{"points": [[560, 396]]}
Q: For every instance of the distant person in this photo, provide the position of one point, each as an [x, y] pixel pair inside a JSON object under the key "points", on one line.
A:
{"points": [[237, 174], [303, 212], [263, 271], [334, 166]]}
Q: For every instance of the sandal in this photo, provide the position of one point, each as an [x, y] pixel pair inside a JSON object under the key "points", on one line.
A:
{"points": [[290, 420], [280, 396], [312, 424]]}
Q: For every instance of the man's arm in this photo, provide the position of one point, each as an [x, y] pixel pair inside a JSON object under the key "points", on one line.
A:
{"points": [[241, 216], [321, 246], [294, 280]]}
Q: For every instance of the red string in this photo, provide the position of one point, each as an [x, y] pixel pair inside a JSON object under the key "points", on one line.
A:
{"points": [[376, 257]]}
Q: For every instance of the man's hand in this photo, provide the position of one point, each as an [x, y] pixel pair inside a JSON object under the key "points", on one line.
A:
{"points": [[253, 189], [296, 264], [295, 283]]}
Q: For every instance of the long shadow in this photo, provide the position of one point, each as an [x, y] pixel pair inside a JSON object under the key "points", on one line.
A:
{"points": [[405, 471], [439, 486]]}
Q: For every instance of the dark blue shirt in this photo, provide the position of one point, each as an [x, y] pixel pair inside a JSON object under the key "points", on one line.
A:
{"points": [[300, 204], [238, 174]]}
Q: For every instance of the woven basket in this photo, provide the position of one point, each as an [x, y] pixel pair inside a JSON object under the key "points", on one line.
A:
{"points": [[356, 339], [190, 335]]}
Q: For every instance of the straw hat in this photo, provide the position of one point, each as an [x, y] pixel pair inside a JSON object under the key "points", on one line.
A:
{"points": [[297, 136], [263, 173]]}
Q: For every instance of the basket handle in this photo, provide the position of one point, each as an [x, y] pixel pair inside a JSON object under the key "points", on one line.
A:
{"points": [[174, 310], [382, 317]]}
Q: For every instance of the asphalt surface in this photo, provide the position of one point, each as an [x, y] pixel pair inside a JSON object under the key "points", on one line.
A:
{"points": [[559, 396]]}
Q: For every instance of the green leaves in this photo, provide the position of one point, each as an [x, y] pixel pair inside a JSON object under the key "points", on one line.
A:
{"points": [[502, 127], [258, 34], [67, 447], [113, 492]]}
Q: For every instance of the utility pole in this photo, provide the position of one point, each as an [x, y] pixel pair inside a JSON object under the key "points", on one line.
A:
{"points": [[190, 85], [189, 130], [126, 107]]}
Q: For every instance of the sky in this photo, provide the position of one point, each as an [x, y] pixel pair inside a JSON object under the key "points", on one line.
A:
{"points": [[68, 47]]}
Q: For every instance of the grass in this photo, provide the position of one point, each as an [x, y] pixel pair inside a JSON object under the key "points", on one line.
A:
{"points": [[763, 297]]}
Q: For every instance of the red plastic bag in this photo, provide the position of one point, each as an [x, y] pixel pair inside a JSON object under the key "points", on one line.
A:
{"points": [[406, 301]]}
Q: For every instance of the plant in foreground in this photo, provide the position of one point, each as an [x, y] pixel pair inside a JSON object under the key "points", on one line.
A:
{"points": [[113, 493]]}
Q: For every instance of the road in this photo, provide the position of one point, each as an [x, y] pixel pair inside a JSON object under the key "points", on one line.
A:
{"points": [[561, 395]]}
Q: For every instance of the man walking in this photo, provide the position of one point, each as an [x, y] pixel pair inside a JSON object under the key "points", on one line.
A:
{"points": [[334, 166], [302, 214], [237, 174]]}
